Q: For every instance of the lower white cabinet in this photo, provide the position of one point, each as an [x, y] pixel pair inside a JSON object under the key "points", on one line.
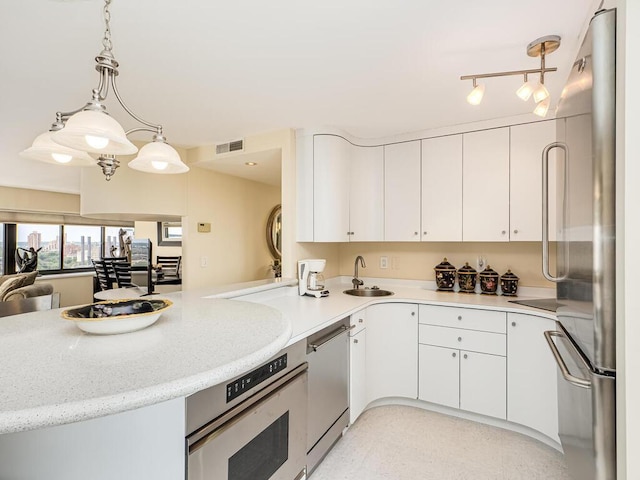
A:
{"points": [[358, 374], [392, 351], [532, 375], [483, 384], [439, 380]]}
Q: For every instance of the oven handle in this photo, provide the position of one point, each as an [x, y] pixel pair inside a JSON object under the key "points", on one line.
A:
{"points": [[204, 435], [572, 379], [328, 337]]}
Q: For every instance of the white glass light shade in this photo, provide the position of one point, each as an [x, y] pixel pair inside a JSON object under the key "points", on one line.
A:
{"points": [[94, 132], [475, 97], [540, 93], [158, 157], [542, 108], [525, 91], [45, 149]]}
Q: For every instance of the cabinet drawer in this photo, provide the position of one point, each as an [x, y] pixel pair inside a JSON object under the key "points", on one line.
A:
{"points": [[468, 318], [483, 342]]}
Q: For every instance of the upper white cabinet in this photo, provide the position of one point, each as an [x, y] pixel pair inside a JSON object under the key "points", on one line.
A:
{"points": [[485, 177], [402, 192], [442, 189], [331, 155], [366, 194], [527, 143]]}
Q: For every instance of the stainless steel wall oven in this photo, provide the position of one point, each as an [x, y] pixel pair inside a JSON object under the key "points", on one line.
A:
{"points": [[253, 427]]}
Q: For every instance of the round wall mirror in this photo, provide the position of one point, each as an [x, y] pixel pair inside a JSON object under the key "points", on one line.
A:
{"points": [[274, 232]]}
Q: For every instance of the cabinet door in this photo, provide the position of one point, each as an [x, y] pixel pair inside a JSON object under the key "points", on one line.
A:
{"points": [[331, 156], [438, 380], [442, 189], [527, 143], [402, 192], [485, 177], [366, 205], [532, 392], [392, 351], [357, 375], [483, 384]]}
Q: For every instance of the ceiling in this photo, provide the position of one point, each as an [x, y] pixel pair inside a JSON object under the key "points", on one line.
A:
{"points": [[213, 71]]}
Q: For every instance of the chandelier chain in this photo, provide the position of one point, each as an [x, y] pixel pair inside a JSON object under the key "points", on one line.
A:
{"points": [[106, 41]]}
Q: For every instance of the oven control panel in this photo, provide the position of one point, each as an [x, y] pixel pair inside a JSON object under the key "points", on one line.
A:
{"points": [[255, 377]]}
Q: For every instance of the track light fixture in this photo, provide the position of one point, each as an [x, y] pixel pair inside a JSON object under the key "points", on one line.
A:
{"points": [[538, 48], [91, 130]]}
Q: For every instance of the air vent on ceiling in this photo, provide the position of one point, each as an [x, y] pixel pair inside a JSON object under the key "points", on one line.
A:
{"points": [[235, 146]]}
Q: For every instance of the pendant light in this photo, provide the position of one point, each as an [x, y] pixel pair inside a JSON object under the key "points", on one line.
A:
{"points": [[91, 130], [475, 96]]}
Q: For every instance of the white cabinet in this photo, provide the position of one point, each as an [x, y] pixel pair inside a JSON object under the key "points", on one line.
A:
{"points": [[532, 375], [462, 359], [527, 143], [358, 373], [366, 194], [485, 176], [392, 351], [331, 155], [439, 381], [483, 383], [402, 192], [442, 189]]}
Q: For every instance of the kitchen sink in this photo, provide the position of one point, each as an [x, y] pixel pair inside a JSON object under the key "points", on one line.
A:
{"points": [[368, 292]]}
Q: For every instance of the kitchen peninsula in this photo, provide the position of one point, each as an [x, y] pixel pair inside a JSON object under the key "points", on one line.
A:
{"points": [[53, 374]]}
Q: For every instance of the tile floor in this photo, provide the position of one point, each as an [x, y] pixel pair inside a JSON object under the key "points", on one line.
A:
{"points": [[396, 442]]}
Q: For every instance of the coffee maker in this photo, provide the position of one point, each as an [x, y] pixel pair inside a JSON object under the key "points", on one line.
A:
{"points": [[310, 279]]}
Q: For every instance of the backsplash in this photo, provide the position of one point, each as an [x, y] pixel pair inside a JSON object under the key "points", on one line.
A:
{"points": [[415, 261]]}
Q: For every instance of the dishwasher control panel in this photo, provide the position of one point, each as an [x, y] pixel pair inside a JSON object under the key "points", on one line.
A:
{"points": [[255, 377]]}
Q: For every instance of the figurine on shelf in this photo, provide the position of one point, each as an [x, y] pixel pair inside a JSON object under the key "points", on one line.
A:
{"points": [[27, 262]]}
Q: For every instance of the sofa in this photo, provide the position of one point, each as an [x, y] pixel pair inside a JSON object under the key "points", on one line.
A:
{"points": [[19, 286]]}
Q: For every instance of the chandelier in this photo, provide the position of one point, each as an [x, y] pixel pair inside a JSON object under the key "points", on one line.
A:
{"points": [[89, 135], [538, 48]]}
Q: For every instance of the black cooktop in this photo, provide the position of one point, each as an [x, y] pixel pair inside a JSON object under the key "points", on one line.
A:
{"points": [[550, 304]]}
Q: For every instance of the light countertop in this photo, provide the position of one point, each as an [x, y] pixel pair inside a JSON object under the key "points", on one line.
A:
{"points": [[53, 373]]}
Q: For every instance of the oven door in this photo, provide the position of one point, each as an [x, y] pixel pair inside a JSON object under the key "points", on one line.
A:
{"points": [[261, 439]]}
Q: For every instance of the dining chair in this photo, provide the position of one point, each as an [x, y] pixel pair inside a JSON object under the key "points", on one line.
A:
{"points": [[170, 269], [123, 274], [102, 273]]}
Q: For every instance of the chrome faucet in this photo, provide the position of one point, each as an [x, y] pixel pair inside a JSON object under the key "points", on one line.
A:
{"points": [[356, 281]]}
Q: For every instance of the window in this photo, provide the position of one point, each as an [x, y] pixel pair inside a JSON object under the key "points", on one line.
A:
{"points": [[59, 247]]}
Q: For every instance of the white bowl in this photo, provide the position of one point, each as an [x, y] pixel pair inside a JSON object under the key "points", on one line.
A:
{"points": [[120, 316]]}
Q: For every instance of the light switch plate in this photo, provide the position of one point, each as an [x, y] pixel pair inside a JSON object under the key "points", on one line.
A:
{"points": [[204, 227]]}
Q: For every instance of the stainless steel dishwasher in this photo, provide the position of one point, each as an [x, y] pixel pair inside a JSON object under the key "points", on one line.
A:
{"points": [[328, 404]]}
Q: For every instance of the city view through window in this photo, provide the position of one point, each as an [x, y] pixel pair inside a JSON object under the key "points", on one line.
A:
{"points": [[80, 244]]}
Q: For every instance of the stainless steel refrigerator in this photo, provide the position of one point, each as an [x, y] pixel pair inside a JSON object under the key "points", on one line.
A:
{"points": [[584, 342]]}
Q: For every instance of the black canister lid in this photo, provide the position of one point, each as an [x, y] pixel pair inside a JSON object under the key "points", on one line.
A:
{"points": [[467, 268], [489, 272], [444, 265], [510, 276]]}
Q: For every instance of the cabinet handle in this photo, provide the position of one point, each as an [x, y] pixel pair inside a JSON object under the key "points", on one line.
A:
{"points": [[453, 354], [415, 233], [424, 233], [459, 339], [513, 324], [355, 340], [459, 317], [360, 320], [413, 314], [504, 232], [515, 231], [465, 355]]}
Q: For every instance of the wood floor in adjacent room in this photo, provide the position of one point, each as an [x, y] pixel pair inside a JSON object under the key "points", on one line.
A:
{"points": [[406, 443]]}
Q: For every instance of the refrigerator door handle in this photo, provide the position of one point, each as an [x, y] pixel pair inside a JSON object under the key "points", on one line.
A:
{"points": [[572, 379], [545, 209]]}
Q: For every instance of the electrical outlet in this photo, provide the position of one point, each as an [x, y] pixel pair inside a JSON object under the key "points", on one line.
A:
{"points": [[384, 262], [204, 261], [481, 263]]}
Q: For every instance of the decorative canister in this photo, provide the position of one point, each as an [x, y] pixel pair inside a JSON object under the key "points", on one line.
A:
{"points": [[445, 276], [509, 284], [489, 281], [467, 277]]}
